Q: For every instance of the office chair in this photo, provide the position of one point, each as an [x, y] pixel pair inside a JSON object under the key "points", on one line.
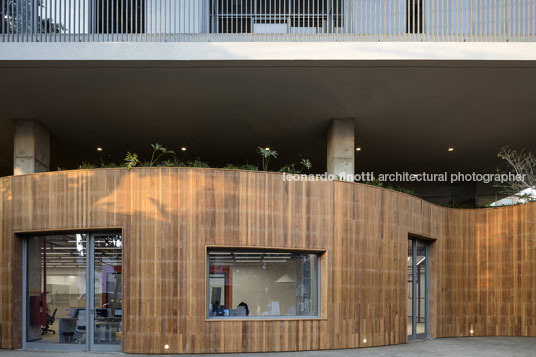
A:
{"points": [[48, 323]]}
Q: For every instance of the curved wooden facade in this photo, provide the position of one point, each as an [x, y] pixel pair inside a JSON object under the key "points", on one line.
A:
{"points": [[482, 261]]}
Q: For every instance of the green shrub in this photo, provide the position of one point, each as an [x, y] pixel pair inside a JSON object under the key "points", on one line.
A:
{"points": [[198, 163]]}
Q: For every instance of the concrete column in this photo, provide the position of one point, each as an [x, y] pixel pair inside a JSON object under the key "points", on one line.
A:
{"points": [[31, 148], [341, 149]]}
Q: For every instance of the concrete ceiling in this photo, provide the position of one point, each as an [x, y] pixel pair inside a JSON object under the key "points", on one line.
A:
{"points": [[407, 113]]}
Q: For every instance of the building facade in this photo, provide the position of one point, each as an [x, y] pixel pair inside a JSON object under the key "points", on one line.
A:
{"points": [[170, 259]]}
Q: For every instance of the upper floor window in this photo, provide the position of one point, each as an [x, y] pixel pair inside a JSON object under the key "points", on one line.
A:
{"points": [[276, 16], [415, 16]]}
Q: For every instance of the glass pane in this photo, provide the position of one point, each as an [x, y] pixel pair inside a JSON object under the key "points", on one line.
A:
{"points": [[420, 287], [57, 289], [262, 284], [410, 288], [108, 294]]}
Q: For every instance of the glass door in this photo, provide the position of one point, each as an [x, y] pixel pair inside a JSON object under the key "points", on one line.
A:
{"points": [[72, 289], [55, 291], [106, 299], [418, 268]]}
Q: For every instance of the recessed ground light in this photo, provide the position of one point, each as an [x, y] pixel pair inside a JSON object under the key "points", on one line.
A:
{"points": [[184, 148], [357, 149], [451, 149], [99, 149], [166, 347], [267, 148]]}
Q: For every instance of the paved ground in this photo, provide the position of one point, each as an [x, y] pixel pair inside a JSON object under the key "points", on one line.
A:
{"points": [[470, 347]]}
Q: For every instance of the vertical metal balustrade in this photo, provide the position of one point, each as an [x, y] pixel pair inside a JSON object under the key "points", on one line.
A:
{"points": [[267, 20]]}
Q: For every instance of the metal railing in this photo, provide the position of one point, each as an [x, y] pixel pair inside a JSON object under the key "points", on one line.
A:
{"points": [[266, 20]]}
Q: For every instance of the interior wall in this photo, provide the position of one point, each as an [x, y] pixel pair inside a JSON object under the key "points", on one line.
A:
{"points": [[258, 288], [482, 273], [67, 290]]}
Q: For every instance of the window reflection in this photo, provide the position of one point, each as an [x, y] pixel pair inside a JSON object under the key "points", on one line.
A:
{"points": [[108, 293], [56, 284], [253, 283]]}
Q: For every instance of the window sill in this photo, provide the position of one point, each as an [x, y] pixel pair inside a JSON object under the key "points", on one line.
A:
{"points": [[261, 318]]}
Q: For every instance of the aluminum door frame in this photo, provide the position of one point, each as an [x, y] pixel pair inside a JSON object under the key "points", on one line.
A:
{"points": [[89, 345], [414, 334]]}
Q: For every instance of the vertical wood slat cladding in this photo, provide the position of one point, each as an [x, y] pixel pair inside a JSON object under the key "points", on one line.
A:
{"points": [[483, 262]]}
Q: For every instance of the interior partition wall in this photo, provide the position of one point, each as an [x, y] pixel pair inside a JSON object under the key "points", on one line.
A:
{"points": [[72, 289]]}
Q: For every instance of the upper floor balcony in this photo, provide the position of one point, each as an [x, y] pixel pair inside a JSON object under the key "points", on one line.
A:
{"points": [[267, 20]]}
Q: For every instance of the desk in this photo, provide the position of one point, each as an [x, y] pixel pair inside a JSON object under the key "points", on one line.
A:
{"points": [[67, 330], [106, 329]]}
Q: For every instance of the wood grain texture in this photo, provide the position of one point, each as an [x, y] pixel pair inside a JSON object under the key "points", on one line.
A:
{"points": [[482, 267]]}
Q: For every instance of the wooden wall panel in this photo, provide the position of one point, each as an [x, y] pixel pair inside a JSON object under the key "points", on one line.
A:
{"points": [[483, 262], [488, 267], [6, 255]]}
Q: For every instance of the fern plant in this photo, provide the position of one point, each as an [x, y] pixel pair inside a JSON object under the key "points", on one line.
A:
{"points": [[131, 160]]}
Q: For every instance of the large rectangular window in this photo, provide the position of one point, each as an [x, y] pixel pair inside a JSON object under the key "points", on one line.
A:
{"points": [[262, 284], [277, 16]]}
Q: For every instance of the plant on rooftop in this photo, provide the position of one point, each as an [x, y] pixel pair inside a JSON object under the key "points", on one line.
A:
{"points": [[266, 154], [172, 163], [378, 183], [131, 160], [294, 168], [86, 165], [306, 164], [158, 152], [109, 165], [163, 157], [374, 182], [248, 167], [241, 167], [198, 163], [101, 165]]}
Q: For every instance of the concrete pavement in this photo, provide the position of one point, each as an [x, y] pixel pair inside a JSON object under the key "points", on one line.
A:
{"points": [[443, 347]]}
